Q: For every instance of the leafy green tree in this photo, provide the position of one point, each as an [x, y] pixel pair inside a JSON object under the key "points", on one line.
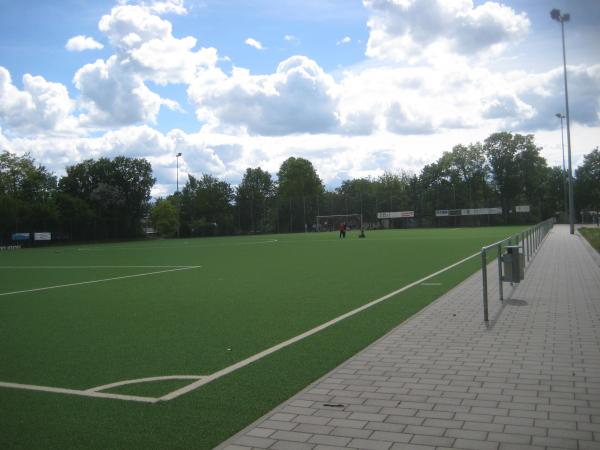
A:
{"points": [[206, 207], [517, 171], [252, 197], [552, 190], [26, 196], [587, 184], [299, 190], [501, 152], [163, 215], [468, 169], [117, 191]]}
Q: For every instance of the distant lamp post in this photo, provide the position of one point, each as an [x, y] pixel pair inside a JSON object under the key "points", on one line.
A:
{"points": [[562, 18], [562, 140], [177, 192]]}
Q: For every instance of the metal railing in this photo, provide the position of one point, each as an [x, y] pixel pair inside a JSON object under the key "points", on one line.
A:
{"points": [[529, 241]]}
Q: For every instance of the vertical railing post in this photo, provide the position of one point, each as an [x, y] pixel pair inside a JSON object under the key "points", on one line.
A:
{"points": [[500, 272], [484, 276]]}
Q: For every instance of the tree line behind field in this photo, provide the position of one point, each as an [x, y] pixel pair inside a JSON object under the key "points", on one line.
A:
{"points": [[110, 199]]}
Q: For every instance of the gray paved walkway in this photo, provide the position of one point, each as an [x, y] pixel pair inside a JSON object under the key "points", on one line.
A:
{"points": [[529, 380]]}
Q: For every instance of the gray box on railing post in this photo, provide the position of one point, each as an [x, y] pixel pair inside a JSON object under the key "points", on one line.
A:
{"points": [[514, 264]]}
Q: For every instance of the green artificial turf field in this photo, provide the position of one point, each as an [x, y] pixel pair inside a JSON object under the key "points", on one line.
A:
{"points": [[80, 317]]}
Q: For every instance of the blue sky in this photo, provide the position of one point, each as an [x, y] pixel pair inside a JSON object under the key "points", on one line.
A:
{"points": [[357, 87]]}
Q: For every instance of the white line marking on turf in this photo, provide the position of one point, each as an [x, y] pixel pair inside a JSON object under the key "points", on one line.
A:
{"points": [[195, 385], [98, 281], [178, 247], [96, 267], [143, 380], [32, 387]]}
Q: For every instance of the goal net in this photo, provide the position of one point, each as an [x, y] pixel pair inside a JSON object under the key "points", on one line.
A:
{"points": [[332, 223]]}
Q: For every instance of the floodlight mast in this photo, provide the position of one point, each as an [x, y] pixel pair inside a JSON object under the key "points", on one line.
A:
{"points": [[177, 192], [562, 140], [555, 14]]}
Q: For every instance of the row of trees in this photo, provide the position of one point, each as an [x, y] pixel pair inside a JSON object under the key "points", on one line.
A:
{"points": [[96, 199], [110, 199], [504, 171]]}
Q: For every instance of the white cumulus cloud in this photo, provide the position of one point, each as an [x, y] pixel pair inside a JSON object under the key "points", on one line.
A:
{"points": [[81, 43], [114, 92], [298, 98], [41, 107], [254, 43], [405, 30], [344, 40], [113, 96]]}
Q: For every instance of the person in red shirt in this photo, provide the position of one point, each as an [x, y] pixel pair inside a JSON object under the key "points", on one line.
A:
{"points": [[342, 230]]}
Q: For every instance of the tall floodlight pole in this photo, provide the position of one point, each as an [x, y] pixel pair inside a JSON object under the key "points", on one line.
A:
{"points": [[562, 140], [562, 18], [177, 192]]}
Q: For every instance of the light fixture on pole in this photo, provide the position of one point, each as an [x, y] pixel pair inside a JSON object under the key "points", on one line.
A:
{"points": [[177, 192], [562, 140], [555, 14]]}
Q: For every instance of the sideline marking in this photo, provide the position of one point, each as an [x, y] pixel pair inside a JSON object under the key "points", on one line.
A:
{"points": [[93, 267], [97, 281], [178, 247], [190, 387]]}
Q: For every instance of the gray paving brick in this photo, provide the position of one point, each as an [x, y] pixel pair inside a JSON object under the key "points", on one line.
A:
{"points": [[331, 413], [529, 431], [291, 436], [467, 417], [389, 436], [466, 434], [412, 447], [351, 432], [509, 438], [312, 428], [555, 442], [385, 426], [329, 447], [334, 441], [406, 420], [370, 444], [398, 411], [482, 426], [368, 417], [346, 423], [571, 434], [278, 425], [428, 431], [475, 444], [315, 420], [260, 432], [291, 445], [435, 414], [281, 417], [508, 446], [254, 442], [434, 441]]}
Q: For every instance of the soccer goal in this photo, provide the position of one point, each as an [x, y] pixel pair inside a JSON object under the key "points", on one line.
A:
{"points": [[332, 223]]}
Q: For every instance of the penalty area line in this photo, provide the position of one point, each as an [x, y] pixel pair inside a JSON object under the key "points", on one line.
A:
{"points": [[227, 370], [81, 283], [56, 390]]}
